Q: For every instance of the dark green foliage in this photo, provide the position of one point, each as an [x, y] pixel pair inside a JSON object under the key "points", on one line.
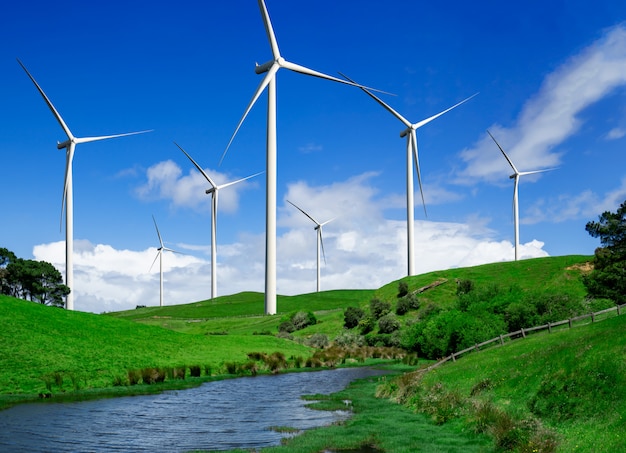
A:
{"points": [[407, 303], [608, 279], [388, 323], [385, 340], [379, 308], [297, 321], [134, 377], [37, 281], [464, 286], [403, 289], [366, 324], [352, 316]]}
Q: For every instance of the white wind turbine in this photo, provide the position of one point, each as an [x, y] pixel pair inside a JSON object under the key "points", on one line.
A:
{"points": [[269, 81], [411, 150], [214, 191], [320, 241], [68, 200], [159, 255], [516, 175]]}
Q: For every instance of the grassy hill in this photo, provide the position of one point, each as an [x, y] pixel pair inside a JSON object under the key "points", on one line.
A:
{"points": [[569, 383]]}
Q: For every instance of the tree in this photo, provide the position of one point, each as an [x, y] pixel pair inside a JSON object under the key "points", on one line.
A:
{"points": [[608, 279], [37, 281], [6, 257], [352, 316]]}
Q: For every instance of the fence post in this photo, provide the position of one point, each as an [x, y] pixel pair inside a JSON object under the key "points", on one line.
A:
{"points": [[593, 317], [501, 340], [523, 333], [570, 322], [618, 310], [549, 327], [476, 347], [454, 356]]}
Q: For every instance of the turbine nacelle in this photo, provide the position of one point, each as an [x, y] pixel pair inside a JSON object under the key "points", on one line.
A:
{"points": [[65, 144], [260, 69]]}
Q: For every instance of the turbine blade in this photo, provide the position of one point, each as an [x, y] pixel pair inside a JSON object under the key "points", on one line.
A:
{"points": [[269, 30], [304, 212], [328, 221], [69, 157], [506, 157], [158, 233], [428, 120], [198, 167], [386, 106], [304, 70], [322, 244], [155, 258], [239, 180], [106, 137], [47, 100], [266, 80], [417, 167], [523, 173]]}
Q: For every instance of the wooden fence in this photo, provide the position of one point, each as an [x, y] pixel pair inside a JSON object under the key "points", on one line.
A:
{"points": [[571, 322]]}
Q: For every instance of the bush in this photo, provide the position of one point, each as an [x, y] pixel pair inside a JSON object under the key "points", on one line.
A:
{"points": [[348, 339], [379, 308], [403, 289], [407, 303], [317, 340], [195, 370], [297, 321], [366, 324], [464, 286], [352, 316], [388, 324]]}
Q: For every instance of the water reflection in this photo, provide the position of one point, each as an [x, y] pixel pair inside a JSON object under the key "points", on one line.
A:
{"points": [[222, 415]]}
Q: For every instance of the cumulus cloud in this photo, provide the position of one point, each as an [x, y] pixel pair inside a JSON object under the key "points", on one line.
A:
{"points": [[165, 181], [363, 250], [586, 204], [553, 114]]}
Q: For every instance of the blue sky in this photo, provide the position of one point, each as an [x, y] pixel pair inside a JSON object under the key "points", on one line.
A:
{"points": [[551, 77]]}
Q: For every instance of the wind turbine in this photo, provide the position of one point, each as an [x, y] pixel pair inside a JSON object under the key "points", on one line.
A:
{"points": [[269, 81], [516, 175], [411, 147], [68, 199], [214, 191], [320, 241], [159, 255]]}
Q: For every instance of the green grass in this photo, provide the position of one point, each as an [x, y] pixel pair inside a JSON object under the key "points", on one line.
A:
{"points": [[89, 351], [573, 381]]}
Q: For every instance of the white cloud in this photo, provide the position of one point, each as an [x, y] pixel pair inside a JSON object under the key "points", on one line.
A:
{"points": [[165, 180], [616, 133], [585, 205], [363, 250], [552, 115]]}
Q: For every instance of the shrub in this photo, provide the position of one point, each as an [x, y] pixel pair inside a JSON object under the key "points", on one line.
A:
{"points": [[348, 339], [317, 340], [388, 324], [286, 327], [352, 316], [195, 370], [134, 376], [403, 289], [379, 308], [297, 321], [366, 324], [464, 286], [231, 367]]}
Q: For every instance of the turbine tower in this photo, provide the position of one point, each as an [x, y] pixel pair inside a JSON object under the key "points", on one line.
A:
{"points": [[411, 150], [159, 255], [68, 199], [214, 191], [516, 175], [320, 241], [269, 81]]}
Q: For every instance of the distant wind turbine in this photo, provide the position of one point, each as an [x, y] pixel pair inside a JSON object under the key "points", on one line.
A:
{"points": [[320, 240], [411, 147], [516, 175], [159, 255], [214, 191], [269, 81], [68, 199]]}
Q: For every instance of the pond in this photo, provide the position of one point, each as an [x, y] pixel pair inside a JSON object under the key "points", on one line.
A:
{"points": [[220, 415]]}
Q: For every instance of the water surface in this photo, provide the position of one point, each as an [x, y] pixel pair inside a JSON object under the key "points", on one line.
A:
{"points": [[220, 415]]}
